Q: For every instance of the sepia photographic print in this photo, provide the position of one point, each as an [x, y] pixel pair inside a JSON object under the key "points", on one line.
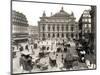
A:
{"points": [[52, 37]]}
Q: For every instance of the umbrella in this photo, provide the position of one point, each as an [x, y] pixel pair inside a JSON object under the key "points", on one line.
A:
{"points": [[25, 52]]}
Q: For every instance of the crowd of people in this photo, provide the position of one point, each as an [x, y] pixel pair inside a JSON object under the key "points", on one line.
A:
{"points": [[44, 55], [85, 50]]}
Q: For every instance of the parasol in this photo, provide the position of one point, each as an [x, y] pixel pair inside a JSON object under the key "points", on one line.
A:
{"points": [[25, 52]]}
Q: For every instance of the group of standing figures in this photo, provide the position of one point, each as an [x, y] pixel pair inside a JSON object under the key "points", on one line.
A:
{"points": [[61, 58]]}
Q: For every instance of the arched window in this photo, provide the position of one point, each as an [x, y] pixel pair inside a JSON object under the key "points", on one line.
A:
{"points": [[62, 35], [53, 27], [58, 27], [58, 35], [48, 35], [53, 35], [62, 27], [43, 35], [43, 27], [49, 27], [72, 28], [66, 28], [72, 35]]}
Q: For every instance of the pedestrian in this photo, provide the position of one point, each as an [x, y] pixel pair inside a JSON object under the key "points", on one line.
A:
{"points": [[68, 61], [32, 49], [52, 57], [59, 60], [21, 48], [27, 48], [28, 63], [22, 58]]}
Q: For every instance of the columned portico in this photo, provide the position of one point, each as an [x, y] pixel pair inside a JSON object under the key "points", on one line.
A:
{"points": [[60, 25]]}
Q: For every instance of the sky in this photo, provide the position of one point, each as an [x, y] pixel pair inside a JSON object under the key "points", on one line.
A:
{"points": [[33, 11]]}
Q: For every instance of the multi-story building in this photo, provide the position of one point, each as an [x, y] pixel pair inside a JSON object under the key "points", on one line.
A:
{"points": [[93, 21], [61, 25], [19, 27], [93, 28], [33, 32], [87, 35], [85, 24]]}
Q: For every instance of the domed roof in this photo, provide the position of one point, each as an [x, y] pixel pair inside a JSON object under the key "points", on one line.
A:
{"points": [[62, 13]]}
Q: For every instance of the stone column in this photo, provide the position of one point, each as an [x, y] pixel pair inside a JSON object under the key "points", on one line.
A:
{"points": [[64, 35], [55, 35], [60, 35], [69, 27], [64, 28], [50, 35], [51, 28], [41, 28], [55, 27], [60, 28], [46, 27]]}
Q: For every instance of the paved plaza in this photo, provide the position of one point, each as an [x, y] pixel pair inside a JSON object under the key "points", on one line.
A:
{"points": [[48, 56]]}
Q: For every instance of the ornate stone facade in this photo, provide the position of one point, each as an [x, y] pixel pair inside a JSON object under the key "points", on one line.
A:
{"points": [[19, 27], [85, 24], [33, 32], [58, 26]]}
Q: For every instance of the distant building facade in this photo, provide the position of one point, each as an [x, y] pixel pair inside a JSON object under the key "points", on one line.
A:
{"points": [[58, 26], [33, 32], [19, 27], [85, 24]]}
